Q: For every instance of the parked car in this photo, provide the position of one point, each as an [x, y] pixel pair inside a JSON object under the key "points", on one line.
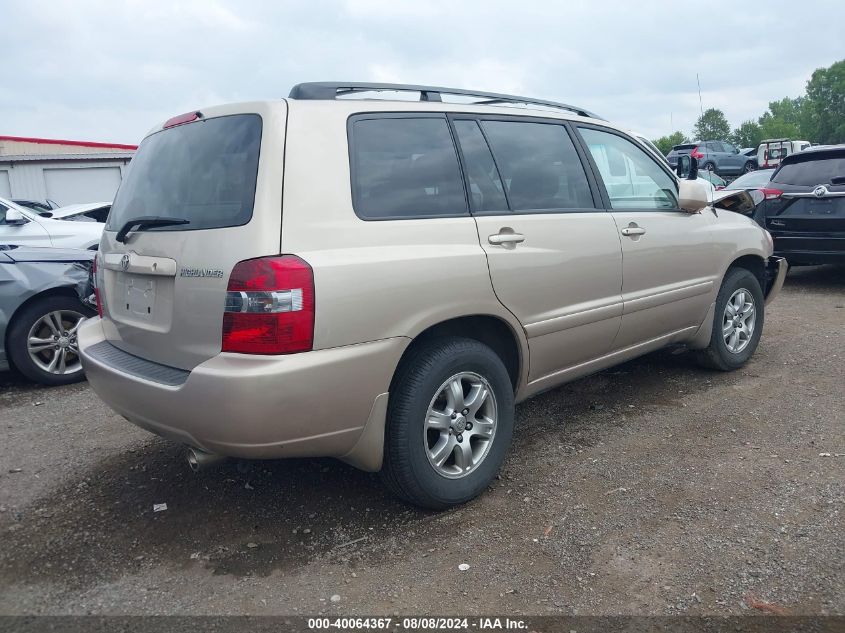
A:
{"points": [[426, 265], [752, 180], [804, 206], [25, 227], [40, 207], [717, 181], [717, 156], [44, 297], [772, 151], [89, 212]]}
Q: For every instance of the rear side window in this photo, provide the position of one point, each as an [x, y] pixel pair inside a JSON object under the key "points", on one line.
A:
{"points": [[539, 165], [405, 167], [632, 179], [809, 173], [486, 190], [203, 172]]}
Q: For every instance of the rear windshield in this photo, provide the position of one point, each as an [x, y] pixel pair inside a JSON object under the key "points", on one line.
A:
{"points": [[809, 173], [203, 172], [679, 147], [752, 179]]}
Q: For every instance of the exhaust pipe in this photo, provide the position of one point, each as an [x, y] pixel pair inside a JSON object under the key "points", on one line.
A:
{"points": [[200, 460]]}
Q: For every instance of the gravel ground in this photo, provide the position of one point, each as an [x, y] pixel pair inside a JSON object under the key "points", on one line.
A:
{"points": [[651, 488]]}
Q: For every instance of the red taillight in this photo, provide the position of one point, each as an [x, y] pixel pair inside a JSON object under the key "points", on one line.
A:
{"points": [[719, 187], [696, 154], [96, 286], [269, 307], [182, 118], [771, 194]]}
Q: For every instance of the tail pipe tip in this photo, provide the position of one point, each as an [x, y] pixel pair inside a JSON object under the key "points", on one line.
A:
{"points": [[199, 460]]}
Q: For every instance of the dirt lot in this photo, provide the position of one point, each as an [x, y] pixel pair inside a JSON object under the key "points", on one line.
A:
{"points": [[651, 488]]}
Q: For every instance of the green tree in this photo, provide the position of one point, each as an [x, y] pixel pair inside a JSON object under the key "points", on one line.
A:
{"points": [[783, 119], [824, 112], [748, 134], [712, 126], [666, 143]]}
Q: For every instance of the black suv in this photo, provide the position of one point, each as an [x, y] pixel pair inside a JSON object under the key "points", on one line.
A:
{"points": [[804, 206]]}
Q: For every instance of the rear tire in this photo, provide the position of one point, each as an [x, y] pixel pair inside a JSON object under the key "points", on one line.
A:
{"points": [[737, 323], [749, 167], [53, 320], [443, 442], [708, 166]]}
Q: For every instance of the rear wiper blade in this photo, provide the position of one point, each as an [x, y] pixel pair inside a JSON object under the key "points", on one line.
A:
{"points": [[146, 222], [837, 180]]}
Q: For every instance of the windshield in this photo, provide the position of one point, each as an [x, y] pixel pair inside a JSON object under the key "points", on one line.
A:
{"points": [[809, 172], [752, 179], [203, 172]]}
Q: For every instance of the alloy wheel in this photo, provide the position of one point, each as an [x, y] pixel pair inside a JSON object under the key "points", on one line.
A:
{"points": [[460, 425], [52, 343], [738, 320]]}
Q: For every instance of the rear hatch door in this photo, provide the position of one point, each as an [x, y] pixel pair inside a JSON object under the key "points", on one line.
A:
{"points": [[163, 287], [813, 195]]}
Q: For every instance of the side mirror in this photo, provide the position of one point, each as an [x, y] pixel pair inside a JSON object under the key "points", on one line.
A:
{"points": [[15, 217], [687, 167], [692, 196]]}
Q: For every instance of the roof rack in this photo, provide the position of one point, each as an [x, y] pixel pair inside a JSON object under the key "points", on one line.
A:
{"points": [[330, 90]]}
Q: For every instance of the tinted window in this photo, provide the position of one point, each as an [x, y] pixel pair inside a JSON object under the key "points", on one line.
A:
{"points": [[485, 185], [539, 166], [810, 173], [405, 167], [203, 172], [631, 178]]}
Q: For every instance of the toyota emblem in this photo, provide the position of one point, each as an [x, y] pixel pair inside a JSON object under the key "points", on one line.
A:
{"points": [[124, 262], [820, 191]]}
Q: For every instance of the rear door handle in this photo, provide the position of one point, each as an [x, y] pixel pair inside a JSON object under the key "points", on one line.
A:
{"points": [[506, 238], [629, 231]]}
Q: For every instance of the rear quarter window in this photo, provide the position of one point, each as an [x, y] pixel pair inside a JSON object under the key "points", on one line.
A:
{"points": [[204, 172], [405, 167]]}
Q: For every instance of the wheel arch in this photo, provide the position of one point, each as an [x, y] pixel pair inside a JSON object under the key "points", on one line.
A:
{"points": [[755, 264], [493, 331]]}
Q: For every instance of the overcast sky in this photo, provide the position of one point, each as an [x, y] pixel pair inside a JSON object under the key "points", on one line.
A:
{"points": [[108, 71]]}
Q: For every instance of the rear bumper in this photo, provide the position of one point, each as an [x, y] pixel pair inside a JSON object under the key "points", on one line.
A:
{"points": [[814, 248], [776, 269], [303, 405]]}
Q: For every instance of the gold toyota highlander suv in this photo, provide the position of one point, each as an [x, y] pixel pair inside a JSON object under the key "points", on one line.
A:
{"points": [[380, 280]]}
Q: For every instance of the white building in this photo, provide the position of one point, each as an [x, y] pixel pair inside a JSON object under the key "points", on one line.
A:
{"points": [[67, 172]]}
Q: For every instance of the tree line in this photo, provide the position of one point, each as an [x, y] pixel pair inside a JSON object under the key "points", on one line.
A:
{"points": [[817, 116]]}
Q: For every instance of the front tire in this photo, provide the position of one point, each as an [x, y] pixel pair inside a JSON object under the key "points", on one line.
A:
{"points": [[449, 423], [42, 341], [737, 323]]}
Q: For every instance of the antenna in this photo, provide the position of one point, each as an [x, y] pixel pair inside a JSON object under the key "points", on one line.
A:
{"points": [[700, 102]]}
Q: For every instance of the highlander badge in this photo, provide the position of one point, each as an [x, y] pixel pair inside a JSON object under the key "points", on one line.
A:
{"points": [[201, 272]]}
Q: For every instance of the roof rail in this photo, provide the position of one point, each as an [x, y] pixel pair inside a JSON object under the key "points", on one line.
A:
{"points": [[330, 90]]}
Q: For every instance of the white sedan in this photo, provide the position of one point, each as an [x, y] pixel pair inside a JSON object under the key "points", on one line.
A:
{"points": [[24, 227]]}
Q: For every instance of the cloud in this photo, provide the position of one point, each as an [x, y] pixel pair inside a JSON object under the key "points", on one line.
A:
{"points": [[109, 70]]}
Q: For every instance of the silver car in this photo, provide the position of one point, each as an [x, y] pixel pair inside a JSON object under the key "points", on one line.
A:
{"points": [[44, 297]]}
